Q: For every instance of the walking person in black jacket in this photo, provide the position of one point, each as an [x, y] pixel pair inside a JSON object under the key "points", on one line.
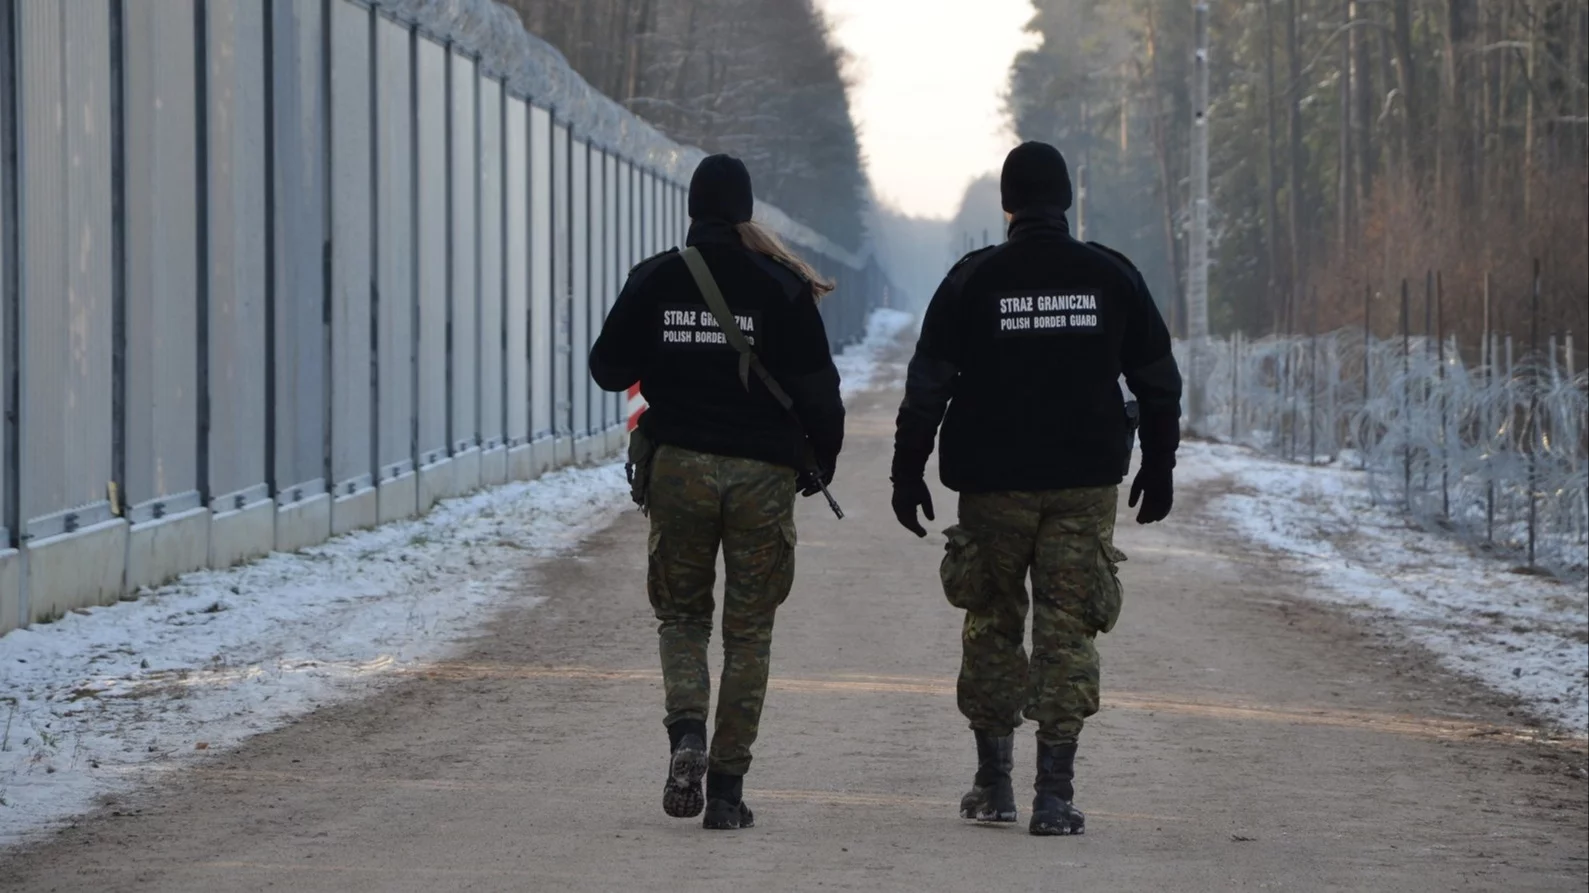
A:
{"points": [[1020, 356], [728, 461]]}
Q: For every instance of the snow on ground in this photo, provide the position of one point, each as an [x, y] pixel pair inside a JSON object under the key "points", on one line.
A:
{"points": [[1523, 635], [858, 365], [216, 656]]}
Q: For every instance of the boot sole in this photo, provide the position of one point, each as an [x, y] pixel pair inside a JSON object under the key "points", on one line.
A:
{"points": [[996, 818], [1056, 830], [682, 797], [739, 821], [981, 810]]}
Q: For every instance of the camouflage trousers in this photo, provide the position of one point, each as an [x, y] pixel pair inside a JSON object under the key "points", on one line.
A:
{"points": [[1065, 540], [697, 502]]}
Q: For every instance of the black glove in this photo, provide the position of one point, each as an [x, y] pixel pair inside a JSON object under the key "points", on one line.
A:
{"points": [[826, 459], [1155, 486], [909, 494], [808, 482]]}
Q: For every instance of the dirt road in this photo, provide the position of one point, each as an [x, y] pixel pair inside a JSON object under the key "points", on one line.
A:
{"points": [[1248, 740]]}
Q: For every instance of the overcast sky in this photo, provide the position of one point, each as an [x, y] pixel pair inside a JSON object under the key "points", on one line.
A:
{"points": [[929, 99]]}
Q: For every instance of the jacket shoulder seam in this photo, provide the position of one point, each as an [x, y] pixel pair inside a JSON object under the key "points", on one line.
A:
{"points": [[793, 283], [652, 260]]}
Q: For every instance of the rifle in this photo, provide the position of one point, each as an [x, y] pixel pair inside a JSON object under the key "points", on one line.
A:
{"points": [[749, 362]]}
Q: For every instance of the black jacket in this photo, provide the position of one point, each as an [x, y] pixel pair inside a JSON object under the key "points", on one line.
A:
{"points": [[661, 333], [1023, 347]]}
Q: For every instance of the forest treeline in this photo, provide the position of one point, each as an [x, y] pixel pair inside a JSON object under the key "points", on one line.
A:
{"points": [[1353, 143], [761, 79]]}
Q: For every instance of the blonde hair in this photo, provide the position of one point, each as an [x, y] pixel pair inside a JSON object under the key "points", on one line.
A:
{"points": [[762, 240]]}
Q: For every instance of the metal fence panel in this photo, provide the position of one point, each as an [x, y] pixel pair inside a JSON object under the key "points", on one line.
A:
{"points": [[430, 141], [65, 316], [631, 239], [236, 211], [611, 269], [352, 246], [664, 214], [672, 206], [637, 210], [161, 226], [676, 194], [516, 249], [664, 223], [493, 431], [579, 253], [8, 69], [396, 259], [623, 255], [562, 261], [642, 206], [681, 213], [542, 315], [301, 368], [464, 320], [646, 200], [670, 218], [643, 209]]}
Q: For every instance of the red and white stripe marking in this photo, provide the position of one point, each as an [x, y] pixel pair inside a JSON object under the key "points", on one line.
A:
{"points": [[637, 405]]}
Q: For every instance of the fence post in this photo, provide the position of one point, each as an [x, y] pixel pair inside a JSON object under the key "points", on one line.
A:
{"points": [[1313, 378], [1427, 391], [1507, 389], [1583, 430], [1406, 397], [1487, 354], [1235, 381], [1368, 336], [1332, 375], [1288, 409], [1533, 411], [1440, 346]]}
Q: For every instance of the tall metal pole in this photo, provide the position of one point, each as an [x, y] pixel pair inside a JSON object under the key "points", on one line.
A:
{"points": [[1197, 267]]}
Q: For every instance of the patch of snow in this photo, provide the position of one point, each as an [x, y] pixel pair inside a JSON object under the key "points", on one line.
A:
{"points": [[217, 656], [1523, 635], [858, 364]]}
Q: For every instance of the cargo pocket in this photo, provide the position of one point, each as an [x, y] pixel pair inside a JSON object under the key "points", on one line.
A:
{"points": [[656, 574], [783, 573], [1103, 611], [964, 571]]}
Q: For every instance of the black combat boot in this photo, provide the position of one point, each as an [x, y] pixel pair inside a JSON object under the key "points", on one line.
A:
{"points": [[681, 794], [992, 797], [725, 803], [1052, 812]]}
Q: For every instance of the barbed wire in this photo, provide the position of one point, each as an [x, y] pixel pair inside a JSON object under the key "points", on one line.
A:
{"points": [[1495, 453]]}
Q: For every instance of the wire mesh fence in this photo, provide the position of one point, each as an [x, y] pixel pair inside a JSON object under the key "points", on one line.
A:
{"points": [[1493, 448]]}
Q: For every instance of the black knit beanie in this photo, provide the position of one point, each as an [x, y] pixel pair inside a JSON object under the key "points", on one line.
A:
{"points": [[720, 190], [1035, 176]]}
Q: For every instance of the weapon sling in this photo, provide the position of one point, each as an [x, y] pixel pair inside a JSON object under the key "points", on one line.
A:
{"points": [[748, 360]]}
